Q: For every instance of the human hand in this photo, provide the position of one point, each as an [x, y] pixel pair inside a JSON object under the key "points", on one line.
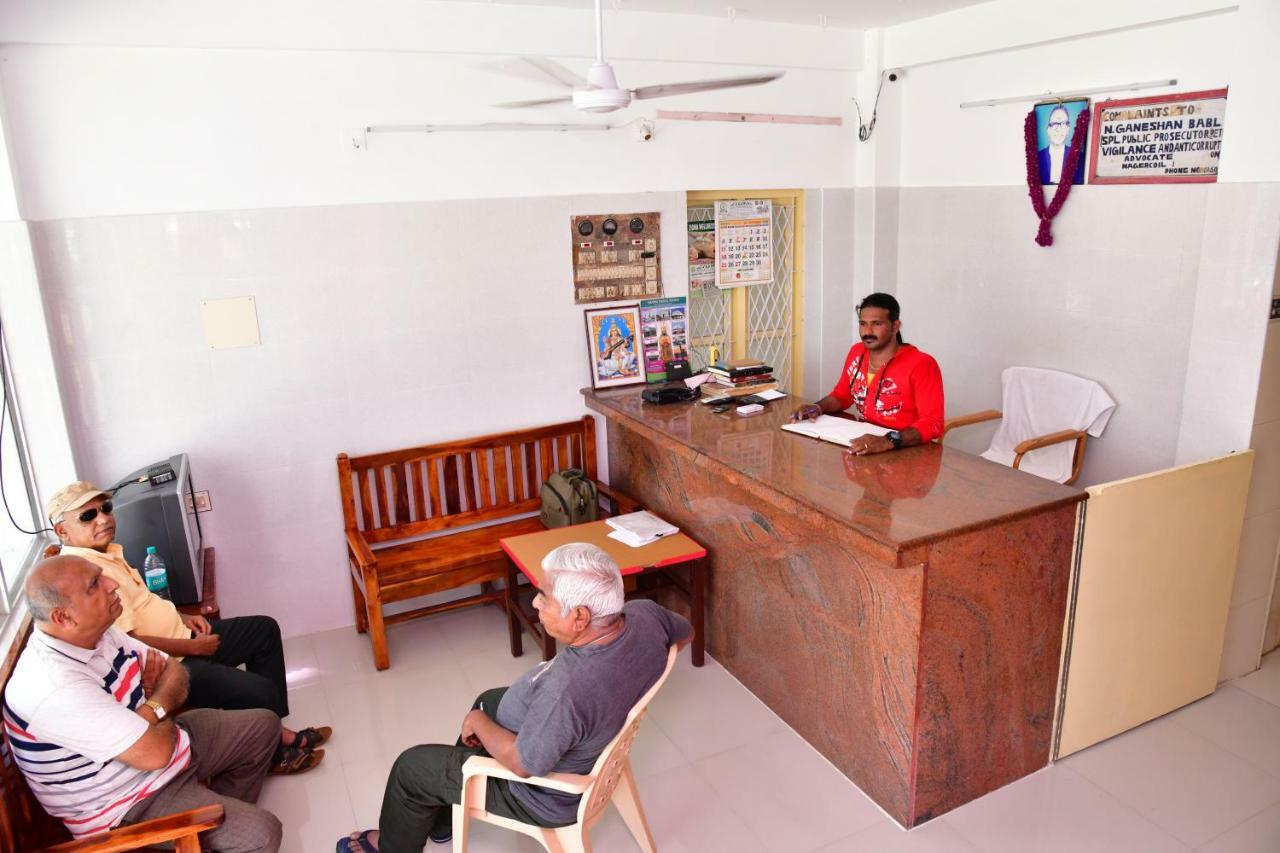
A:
{"points": [[807, 412], [869, 444], [198, 624], [205, 644], [468, 735], [153, 664]]}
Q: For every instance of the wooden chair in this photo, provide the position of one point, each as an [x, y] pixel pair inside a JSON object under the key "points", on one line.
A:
{"points": [[403, 509], [1026, 390], [610, 780], [25, 827]]}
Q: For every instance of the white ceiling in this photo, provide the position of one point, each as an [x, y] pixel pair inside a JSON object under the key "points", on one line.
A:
{"points": [[855, 14]]}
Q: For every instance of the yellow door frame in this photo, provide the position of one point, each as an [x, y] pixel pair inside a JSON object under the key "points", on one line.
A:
{"points": [[738, 305]]}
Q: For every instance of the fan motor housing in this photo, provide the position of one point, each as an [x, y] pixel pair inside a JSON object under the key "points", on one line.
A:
{"points": [[601, 100]]}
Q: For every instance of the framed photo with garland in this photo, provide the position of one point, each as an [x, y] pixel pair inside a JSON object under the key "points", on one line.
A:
{"points": [[1055, 124]]}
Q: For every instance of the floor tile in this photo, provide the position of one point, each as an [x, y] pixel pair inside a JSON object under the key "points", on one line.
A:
{"points": [[653, 752], [936, 836], [313, 807], [1265, 683], [792, 799], [308, 706], [1187, 785], [1054, 811], [1258, 834], [703, 710], [1239, 722], [685, 814], [475, 630], [496, 669], [300, 661]]}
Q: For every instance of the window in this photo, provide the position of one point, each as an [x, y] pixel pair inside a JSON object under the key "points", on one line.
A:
{"points": [[762, 321], [18, 549]]}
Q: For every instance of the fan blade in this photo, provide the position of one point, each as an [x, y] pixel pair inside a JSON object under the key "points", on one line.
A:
{"points": [[666, 90], [536, 102], [557, 72]]}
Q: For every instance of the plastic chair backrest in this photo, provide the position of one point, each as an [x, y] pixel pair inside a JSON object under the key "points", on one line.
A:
{"points": [[613, 760]]}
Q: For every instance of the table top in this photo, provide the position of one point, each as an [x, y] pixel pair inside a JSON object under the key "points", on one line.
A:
{"points": [[900, 499], [528, 550]]}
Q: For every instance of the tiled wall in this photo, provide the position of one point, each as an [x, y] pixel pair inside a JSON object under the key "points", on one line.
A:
{"points": [[1157, 292], [382, 326]]}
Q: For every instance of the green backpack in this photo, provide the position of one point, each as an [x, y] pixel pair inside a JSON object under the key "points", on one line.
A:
{"points": [[568, 497]]}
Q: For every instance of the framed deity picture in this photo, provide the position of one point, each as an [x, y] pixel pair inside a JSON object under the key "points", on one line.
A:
{"points": [[613, 345], [1055, 130]]}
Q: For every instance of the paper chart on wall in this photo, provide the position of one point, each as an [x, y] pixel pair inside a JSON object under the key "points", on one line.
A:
{"points": [[744, 242]]}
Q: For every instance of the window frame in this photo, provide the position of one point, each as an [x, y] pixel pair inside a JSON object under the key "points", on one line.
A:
{"points": [[11, 592]]}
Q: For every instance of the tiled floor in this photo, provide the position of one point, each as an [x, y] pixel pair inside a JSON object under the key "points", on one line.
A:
{"points": [[719, 772]]}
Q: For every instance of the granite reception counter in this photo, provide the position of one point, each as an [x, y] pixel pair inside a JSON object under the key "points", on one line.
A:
{"points": [[903, 612]]}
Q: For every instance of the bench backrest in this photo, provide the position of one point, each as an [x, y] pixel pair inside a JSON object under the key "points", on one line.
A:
{"points": [[419, 490], [24, 825]]}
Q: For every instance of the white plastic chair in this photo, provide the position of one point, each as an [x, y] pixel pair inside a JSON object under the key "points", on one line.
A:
{"points": [[1045, 411], [610, 780]]}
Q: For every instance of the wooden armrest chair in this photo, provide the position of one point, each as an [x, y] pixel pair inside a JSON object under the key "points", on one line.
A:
{"points": [[26, 827], [1045, 409], [610, 780]]}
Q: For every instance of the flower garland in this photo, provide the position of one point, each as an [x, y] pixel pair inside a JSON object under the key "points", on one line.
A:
{"points": [[1035, 189]]}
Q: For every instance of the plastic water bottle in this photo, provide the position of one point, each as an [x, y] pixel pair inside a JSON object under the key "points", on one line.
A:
{"points": [[154, 573]]}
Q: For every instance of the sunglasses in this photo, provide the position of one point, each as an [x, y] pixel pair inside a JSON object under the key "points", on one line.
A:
{"points": [[92, 512]]}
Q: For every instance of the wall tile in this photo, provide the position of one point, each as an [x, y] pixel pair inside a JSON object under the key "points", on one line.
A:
{"points": [[1242, 648], [1264, 487], [1256, 567]]}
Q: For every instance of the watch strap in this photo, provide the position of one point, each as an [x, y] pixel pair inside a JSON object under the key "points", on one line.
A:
{"points": [[156, 708]]}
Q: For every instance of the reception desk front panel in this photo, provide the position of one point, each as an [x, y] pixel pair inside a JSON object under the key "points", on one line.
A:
{"points": [[902, 612]]}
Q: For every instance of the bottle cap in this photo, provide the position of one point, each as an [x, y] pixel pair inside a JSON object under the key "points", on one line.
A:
{"points": [[151, 549]]}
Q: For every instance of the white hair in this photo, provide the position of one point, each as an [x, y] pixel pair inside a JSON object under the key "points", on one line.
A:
{"points": [[583, 575]]}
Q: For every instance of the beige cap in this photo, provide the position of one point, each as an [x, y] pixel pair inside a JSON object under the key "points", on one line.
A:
{"points": [[72, 497]]}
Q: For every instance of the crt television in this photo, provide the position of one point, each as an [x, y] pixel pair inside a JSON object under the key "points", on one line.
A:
{"points": [[155, 506]]}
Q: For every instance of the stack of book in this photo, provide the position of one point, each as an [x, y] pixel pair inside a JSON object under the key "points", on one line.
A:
{"points": [[738, 377], [638, 529]]}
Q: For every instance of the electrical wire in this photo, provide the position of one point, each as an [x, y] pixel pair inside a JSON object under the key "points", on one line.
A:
{"points": [[4, 417], [865, 130]]}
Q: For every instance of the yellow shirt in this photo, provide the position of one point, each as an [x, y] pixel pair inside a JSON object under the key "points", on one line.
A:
{"points": [[145, 613]]}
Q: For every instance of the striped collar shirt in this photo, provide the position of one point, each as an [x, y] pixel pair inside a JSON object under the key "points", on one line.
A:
{"points": [[68, 712]]}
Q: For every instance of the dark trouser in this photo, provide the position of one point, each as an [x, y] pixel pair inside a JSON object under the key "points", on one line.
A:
{"points": [[232, 751], [216, 682], [426, 781]]}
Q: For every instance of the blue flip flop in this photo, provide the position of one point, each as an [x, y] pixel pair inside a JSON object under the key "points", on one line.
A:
{"points": [[344, 843]]}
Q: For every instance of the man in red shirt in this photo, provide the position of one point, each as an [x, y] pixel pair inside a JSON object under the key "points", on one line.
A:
{"points": [[887, 382]]}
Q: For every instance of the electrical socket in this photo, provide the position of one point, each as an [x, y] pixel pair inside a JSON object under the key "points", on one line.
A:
{"points": [[203, 504]]}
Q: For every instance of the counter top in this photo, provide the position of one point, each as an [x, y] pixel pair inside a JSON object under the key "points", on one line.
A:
{"points": [[902, 499]]}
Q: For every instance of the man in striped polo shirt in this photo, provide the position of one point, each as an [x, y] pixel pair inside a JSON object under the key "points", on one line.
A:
{"points": [[86, 709]]}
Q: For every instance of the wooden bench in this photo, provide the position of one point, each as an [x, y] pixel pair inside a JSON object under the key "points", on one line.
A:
{"points": [[25, 827], [393, 501]]}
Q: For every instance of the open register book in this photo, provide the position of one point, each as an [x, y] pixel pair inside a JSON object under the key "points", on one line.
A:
{"points": [[840, 431], [639, 528]]}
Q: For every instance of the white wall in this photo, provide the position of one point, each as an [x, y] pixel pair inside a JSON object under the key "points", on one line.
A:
{"points": [[207, 119]]}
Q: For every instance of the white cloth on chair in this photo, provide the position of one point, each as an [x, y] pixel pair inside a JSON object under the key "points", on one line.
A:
{"points": [[1038, 402]]}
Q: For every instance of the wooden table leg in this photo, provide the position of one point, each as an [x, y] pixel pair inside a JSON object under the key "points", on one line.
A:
{"points": [[512, 601], [548, 644], [698, 580]]}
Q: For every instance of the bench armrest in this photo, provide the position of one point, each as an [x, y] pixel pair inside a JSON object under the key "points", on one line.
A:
{"points": [[360, 550], [970, 419], [622, 503], [148, 833], [570, 783]]}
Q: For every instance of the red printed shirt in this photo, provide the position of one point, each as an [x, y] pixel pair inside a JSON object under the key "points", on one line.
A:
{"points": [[907, 392]]}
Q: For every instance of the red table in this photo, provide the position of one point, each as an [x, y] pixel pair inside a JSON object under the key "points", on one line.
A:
{"points": [[526, 553]]}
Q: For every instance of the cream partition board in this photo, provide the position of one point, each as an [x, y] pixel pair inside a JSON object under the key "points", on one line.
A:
{"points": [[1152, 586]]}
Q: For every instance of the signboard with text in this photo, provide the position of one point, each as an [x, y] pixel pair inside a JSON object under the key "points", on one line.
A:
{"points": [[1163, 139]]}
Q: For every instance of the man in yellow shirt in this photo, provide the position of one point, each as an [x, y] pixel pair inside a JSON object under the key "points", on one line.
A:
{"points": [[81, 515]]}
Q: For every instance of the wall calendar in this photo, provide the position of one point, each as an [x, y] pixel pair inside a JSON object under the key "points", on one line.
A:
{"points": [[616, 256], [744, 242]]}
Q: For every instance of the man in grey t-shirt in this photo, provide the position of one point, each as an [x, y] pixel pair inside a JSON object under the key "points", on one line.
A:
{"points": [[558, 717]]}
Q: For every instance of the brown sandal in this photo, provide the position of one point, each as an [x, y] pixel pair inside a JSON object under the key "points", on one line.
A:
{"points": [[290, 760], [311, 737]]}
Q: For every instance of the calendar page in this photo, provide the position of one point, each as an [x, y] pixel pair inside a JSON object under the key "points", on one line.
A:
{"points": [[744, 242]]}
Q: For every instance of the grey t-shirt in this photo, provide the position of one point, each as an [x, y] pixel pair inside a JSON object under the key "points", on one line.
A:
{"points": [[565, 712]]}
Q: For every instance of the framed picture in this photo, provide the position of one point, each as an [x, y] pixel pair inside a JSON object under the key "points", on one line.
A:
{"points": [[613, 345], [1055, 127], [1159, 139]]}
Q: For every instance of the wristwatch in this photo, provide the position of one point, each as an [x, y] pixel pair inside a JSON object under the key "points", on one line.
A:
{"points": [[156, 707], [894, 436]]}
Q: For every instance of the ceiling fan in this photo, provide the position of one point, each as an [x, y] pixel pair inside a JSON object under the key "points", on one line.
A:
{"points": [[599, 91]]}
